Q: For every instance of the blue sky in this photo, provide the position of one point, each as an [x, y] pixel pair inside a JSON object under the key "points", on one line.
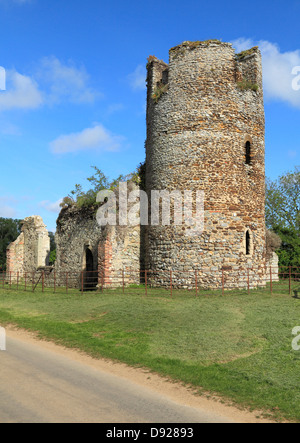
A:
{"points": [[75, 86]]}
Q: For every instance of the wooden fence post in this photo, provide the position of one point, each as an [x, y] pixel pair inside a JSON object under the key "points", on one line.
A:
{"points": [[248, 282], [222, 282]]}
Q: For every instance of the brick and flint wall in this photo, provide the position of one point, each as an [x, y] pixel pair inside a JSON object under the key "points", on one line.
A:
{"points": [[113, 252], [30, 250]]}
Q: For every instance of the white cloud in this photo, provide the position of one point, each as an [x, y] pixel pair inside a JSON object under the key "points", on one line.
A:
{"points": [[50, 206], [95, 138], [137, 79], [242, 44], [22, 92], [277, 70], [53, 82], [64, 82]]}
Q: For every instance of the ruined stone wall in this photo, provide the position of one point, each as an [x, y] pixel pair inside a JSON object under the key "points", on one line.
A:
{"points": [[15, 256], [119, 256], [272, 271], [77, 230], [31, 249], [114, 249], [196, 140], [36, 243]]}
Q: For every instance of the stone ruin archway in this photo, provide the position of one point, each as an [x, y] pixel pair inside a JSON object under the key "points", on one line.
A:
{"points": [[90, 279], [89, 259]]}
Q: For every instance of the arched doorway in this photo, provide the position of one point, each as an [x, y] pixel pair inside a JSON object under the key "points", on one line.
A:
{"points": [[90, 275], [89, 259]]}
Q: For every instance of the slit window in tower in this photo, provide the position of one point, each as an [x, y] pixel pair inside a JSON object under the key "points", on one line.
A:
{"points": [[248, 243], [248, 153]]}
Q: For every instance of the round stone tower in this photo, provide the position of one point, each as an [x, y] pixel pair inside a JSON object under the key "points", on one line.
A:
{"points": [[205, 132]]}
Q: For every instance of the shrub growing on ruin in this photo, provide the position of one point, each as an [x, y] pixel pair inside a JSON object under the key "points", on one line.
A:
{"points": [[100, 182], [273, 243], [246, 85], [159, 91]]}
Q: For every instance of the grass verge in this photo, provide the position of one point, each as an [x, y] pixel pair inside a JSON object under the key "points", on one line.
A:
{"points": [[237, 346]]}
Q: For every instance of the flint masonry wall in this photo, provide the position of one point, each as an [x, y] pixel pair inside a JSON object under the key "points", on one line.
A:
{"points": [[31, 249], [36, 243], [77, 230], [15, 256], [196, 140], [272, 271], [97, 254], [119, 256]]}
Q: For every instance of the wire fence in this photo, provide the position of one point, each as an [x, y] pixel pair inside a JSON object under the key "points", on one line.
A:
{"points": [[199, 282]]}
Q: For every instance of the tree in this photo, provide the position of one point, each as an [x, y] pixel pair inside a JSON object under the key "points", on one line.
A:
{"points": [[52, 255], [99, 183], [283, 215], [9, 231], [273, 243], [283, 201]]}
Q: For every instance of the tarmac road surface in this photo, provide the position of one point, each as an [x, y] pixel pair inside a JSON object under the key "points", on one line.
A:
{"points": [[41, 386]]}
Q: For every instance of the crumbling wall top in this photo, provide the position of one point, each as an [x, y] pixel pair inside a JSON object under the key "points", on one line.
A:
{"points": [[32, 247], [33, 222]]}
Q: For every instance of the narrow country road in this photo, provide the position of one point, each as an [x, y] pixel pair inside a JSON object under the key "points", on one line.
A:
{"points": [[40, 386]]}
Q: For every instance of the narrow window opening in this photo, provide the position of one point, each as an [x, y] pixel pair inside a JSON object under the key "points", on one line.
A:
{"points": [[248, 243], [248, 153]]}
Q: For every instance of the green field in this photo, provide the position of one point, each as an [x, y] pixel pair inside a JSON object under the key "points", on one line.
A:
{"points": [[238, 346]]}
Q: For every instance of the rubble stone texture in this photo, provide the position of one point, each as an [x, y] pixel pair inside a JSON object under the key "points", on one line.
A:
{"points": [[31, 249], [206, 131], [272, 270], [84, 247]]}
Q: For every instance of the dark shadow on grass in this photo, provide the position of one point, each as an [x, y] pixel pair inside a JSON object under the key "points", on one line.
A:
{"points": [[296, 295]]}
